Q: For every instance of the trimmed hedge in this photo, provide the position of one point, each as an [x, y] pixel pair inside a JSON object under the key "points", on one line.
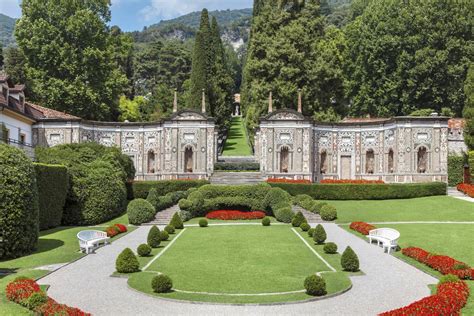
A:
{"points": [[127, 262], [140, 211], [328, 213], [237, 166], [52, 182], [19, 211], [315, 285], [456, 169], [141, 188], [364, 191], [349, 260], [319, 235], [154, 237], [176, 221], [161, 283]]}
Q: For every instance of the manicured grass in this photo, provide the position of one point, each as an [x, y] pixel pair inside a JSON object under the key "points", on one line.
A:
{"points": [[435, 208], [236, 143], [242, 260]]}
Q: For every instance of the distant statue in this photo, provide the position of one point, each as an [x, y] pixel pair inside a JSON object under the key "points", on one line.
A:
{"points": [[422, 160]]}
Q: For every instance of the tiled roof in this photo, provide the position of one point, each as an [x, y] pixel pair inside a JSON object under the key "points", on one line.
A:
{"points": [[17, 88], [41, 112], [456, 123]]}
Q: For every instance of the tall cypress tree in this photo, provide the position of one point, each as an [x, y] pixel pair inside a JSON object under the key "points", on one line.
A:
{"points": [[469, 108]]}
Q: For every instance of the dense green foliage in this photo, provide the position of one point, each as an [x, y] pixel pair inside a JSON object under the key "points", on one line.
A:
{"points": [[170, 229], [237, 166], [319, 234], [140, 211], [71, 56], [97, 177], [456, 169], [53, 183], [349, 260], [161, 203], [364, 191], [311, 232], [330, 248], [176, 221], [15, 67], [298, 219], [468, 113], [266, 221], [19, 219], [305, 226], [127, 262], [143, 250], [141, 188], [408, 55], [7, 25], [315, 285], [154, 237], [203, 222], [328, 212], [164, 235], [161, 283]]}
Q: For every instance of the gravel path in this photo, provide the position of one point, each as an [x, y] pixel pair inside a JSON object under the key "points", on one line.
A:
{"points": [[388, 283], [453, 192]]}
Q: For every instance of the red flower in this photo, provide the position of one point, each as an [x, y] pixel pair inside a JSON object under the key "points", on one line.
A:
{"points": [[112, 231], [283, 180], [20, 290], [361, 181], [467, 189], [122, 228], [53, 308], [234, 215], [362, 227]]}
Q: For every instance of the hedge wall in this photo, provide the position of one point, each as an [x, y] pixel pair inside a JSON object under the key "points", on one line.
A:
{"points": [[471, 164], [18, 203], [53, 183], [237, 166], [456, 169], [364, 191], [142, 188]]}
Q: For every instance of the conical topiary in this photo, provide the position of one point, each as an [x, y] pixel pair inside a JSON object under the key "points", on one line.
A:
{"points": [[319, 234], [127, 262], [154, 237], [298, 219], [349, 260], [153, 197], [176, 221]]}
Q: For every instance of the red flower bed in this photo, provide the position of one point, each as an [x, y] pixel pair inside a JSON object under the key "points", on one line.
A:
{"points": [[234, 215], [449, 300], [115, 229], [280, 180], [362, 227], [443, 264], [329, 181], [20, 290], [467, 189], [122, 228]]}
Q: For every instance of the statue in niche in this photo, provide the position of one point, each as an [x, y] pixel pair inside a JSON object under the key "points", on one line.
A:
{"points": [[370, 163], [422, 160]]}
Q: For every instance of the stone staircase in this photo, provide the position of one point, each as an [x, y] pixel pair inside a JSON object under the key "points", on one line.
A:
{"points": [[228, 178], [310, 217], [237, 159], [163, 218]]}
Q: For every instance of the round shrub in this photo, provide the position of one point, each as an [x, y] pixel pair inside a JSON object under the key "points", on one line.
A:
{"points": [[330, 248], [164, 235], [177, 222], [203, 222], [319, 235], [127, 262], [328, 213], [266, 221], [184, 204], [298, 219], [284, 214], [315, 285], [140, 211], [161, 284], [311, 232], [154, 237], [19, 212], [170, 229], [305, 226], [349, 260], [144, 250], [36, 300]]}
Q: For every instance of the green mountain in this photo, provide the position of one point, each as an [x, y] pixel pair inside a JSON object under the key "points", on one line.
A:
{"points": [[7, 25]]}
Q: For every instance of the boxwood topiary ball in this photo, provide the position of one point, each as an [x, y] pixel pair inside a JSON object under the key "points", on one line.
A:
{"points": [[315, 285], [305, 227], [170, 229], [328, 213], [203, 222], [310, 232], [143, 250], [161, 284], [330, 248], [266, 221], [164, 235], [127, 262], [319, 235]]}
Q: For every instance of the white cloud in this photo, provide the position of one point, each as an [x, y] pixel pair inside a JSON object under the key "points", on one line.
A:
{"points": [[10, 8], [167, 9]]}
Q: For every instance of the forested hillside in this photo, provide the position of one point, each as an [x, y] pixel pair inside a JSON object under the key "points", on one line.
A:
{"points": [[7, 24]]}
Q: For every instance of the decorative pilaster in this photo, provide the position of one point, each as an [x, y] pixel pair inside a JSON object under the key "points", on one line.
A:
{"points": [[203, 105]]}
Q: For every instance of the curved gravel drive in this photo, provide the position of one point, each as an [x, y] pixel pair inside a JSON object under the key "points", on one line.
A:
{"points": [[388, 283]]}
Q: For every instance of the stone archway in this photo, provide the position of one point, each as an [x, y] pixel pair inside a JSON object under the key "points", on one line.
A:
{"points": [[284, 159], [188, 160]]}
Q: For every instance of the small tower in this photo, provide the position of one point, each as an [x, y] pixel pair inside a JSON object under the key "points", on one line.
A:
{"points": [[300, 103], [270, 102], [175, 101], [203, 106]]}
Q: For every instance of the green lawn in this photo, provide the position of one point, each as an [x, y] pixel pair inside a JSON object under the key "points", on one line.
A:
{"points": [[242, 260], [435, 208], [58, 245], [236, 143]]}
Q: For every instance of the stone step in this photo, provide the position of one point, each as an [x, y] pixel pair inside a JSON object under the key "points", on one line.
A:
{"points": [[163, 217], [228, 178], [310, 217], [236, 159]]}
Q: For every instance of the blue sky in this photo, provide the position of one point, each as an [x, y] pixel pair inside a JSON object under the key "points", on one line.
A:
{"points": [[133, 15]]}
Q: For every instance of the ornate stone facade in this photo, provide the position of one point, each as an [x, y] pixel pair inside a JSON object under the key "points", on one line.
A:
{"points": [[180, 147], [401, 149]]}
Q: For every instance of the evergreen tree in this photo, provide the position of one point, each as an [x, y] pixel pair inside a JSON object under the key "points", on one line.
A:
{"points": [[469, 108], [1, 56], [69, 53], [14, 64]]}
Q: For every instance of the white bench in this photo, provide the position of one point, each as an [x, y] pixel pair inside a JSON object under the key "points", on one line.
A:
{"points": [[91, 239], [387, 237]]}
